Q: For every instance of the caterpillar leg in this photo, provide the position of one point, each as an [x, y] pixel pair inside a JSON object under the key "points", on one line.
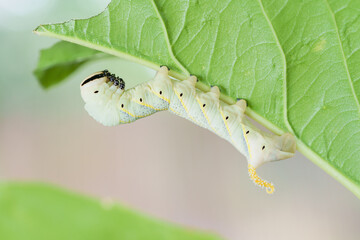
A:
{"points": [[163, 72], [162, 75], [216, 91], [192, 80], [241, 103], [196, 78], [260, 182]]}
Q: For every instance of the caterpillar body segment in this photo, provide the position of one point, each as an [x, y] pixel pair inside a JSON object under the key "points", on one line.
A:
{"points": [[107, 101]]}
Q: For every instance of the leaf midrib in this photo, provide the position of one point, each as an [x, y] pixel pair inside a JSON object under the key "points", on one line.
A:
{"points": [[167, 40], [284, 83]]}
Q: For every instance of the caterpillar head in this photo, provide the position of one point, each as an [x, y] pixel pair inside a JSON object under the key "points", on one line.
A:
{"points": [[96, 83], [99, 92], [265, 148]]}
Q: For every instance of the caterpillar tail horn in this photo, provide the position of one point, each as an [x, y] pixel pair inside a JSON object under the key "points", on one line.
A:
{"points": [[259, 181]]}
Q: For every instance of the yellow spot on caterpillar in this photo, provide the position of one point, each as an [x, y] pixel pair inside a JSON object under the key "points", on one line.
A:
{"points": [[123, 121], [129, 113], [207, 118], [228, 129], [147, 105], [260, 182], [227, 126], [319, 46], [177, 113], [181, 101], [246, 140], [133, 115], [186, 110], [162, 97], [224, 120]]}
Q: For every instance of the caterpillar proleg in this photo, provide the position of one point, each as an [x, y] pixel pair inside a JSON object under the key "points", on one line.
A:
{"points": [[107, 101]]}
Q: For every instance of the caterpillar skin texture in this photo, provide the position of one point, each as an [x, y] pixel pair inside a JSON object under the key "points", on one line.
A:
{"points": [[107, 101]]}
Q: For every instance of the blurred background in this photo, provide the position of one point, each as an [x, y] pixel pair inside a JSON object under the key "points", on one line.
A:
{"points": [[162, 165]]}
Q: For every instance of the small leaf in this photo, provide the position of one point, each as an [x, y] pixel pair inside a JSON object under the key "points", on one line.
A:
{"points": [[59, 61], [35, 211]]}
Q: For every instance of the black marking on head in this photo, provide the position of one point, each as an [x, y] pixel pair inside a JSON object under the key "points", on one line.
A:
{"points": [[94, 77], [181, 94], [122, 105], [121, 83], [96, 91], [140, 99], [263, 147], [247, 132], [112, 77], [204, 105], [227, 117], [160, 92]]}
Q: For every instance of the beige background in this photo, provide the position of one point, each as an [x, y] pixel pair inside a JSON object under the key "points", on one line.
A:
{"points": [[162, 165]]}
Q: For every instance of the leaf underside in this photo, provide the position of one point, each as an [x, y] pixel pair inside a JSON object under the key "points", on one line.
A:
{"points": [[296, 62]]}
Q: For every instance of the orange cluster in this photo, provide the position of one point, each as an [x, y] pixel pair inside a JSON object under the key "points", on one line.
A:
{"points": [[258, 181]]}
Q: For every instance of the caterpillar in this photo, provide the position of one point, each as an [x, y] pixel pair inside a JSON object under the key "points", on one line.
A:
{"points": [[107, 101]]}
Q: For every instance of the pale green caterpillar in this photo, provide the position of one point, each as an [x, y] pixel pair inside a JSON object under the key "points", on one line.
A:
{"points": [[108, 102]]}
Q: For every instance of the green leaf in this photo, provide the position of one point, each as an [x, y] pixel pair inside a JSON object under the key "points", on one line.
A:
{"points": [[322, 105], [231, 45], [296, 62], [129, 29], [59, 61], [346, 15], [36, 211]]}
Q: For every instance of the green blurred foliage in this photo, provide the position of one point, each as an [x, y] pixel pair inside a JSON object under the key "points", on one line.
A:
{"points": [[62, 59], [41, 212]]}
